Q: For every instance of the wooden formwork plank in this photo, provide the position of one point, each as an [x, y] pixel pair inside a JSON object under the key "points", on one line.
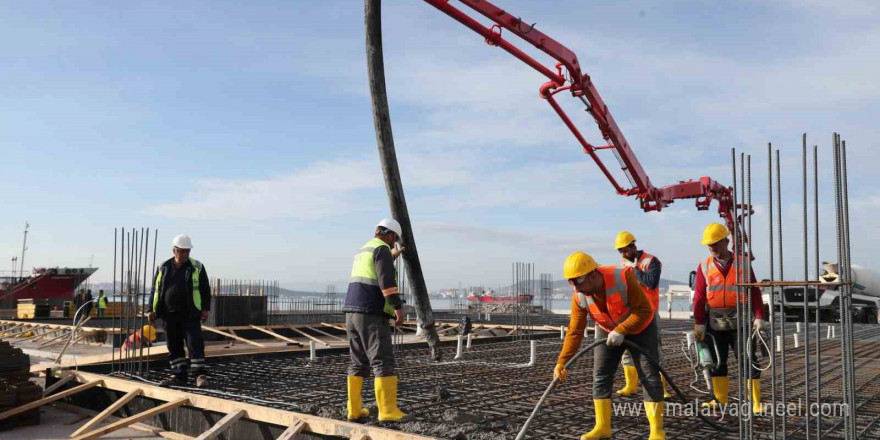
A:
{"points": [[229, 335], [165, 407], [50, 399], [318, 340], [222, 425], [116, 406], [4, 332], [258, 413], [57, 385], [54, 340], [276, 335], [336, 326], [293, 431], [326, 334]]}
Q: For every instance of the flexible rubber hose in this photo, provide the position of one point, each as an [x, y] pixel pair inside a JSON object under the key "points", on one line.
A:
{"points": [[631, 346]]}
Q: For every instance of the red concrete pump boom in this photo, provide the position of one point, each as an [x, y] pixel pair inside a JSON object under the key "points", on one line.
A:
{"points": [[572, 79]]}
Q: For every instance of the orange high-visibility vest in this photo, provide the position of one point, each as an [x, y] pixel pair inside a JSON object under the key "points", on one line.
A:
{"points": [[644, 262], [616, 300], [133, 342], [720, 289]]}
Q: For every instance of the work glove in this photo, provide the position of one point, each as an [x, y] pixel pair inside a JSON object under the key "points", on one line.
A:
{"points": [[627, 263], [699, 332], [560, 372], [760, 325], [614, 339]]}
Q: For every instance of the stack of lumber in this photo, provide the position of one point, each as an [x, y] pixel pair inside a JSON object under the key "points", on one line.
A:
{"points": [[32, 308], [15, 389]]}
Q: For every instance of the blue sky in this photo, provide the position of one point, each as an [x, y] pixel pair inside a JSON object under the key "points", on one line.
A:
{"points": [[248, 126]]}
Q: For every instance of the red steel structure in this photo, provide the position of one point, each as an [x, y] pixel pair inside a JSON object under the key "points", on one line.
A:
{"points": [[573, 80]]}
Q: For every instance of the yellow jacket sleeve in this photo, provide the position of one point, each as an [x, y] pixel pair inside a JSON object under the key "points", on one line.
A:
{"points": [[638, 303], [575, 335]]}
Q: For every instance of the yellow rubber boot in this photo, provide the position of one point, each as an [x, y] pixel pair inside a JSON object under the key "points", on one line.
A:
{"points": [[386, 399], [654, 410], [666, 394], [355, 408], [603, 420], [632, 381], [721, 385], [755, 385]]}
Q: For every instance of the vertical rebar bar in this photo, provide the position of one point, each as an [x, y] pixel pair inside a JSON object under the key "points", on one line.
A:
{"points": [[736, 250], [816, 291], [848, 250], [806, 297], [841, 279], [748, 279], [112, 317], [773, 355], [782, 297]]}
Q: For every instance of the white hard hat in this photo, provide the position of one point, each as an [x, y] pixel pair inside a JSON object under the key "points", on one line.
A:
{"points": [[391, 225], [182, 241]]}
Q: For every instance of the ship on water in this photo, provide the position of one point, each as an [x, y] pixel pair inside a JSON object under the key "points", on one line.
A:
{"points": [[53, 284], [488, 296]]}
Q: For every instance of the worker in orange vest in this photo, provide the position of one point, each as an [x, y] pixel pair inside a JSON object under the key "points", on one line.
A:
{"points": [[143, 338], [618, 305], [715, 298], [647, 270]]}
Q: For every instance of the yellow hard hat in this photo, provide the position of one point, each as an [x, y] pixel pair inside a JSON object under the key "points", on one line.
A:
{"points": [[714, 233], [149, 332], [624, 239], [577, 265]]}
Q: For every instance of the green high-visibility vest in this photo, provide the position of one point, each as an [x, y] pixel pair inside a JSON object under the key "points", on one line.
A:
{"points": [[364, 270], [197, 296], [102, 302]]}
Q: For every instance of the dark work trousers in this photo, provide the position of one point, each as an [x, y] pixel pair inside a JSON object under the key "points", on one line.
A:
{"points": [[627, 358], [178, 330], [369, 343], [726, 341], [606, 359]]}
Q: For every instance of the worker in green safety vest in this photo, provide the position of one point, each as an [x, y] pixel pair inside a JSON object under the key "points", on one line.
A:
{"points": [[182, 299], [372, 300], [102, 303]]}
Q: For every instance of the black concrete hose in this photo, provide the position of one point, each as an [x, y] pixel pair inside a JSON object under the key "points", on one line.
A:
{"points": [[630, 346]]}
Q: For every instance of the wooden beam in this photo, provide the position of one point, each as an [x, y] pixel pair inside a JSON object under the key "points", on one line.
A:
{"points": [[293, 431], [326, 334], [258, 413], [308, 335], [228, 335], [336, 326], [57, 385], [165, 407], [54, 340], [116, 406], [222, 425], [50, 399], [4, 332], [67, 344], [276, 335]]}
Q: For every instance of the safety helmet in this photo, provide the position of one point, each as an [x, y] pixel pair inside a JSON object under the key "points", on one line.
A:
{"points": [[714, 233], [624, 239], [149, 332], [182, 241], [577, 265], [391, 225]]}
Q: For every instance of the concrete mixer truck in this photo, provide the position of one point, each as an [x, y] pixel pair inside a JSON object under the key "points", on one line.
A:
{"points": [[865, 297]]}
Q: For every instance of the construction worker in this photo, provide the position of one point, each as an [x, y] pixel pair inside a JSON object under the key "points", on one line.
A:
{"points": [[142, 338], [182, 299], [372, 300], [715, 297], [102, 303], [647, 270], [618, 305]]}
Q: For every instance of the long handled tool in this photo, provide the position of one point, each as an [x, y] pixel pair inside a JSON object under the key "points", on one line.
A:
{"points": [[633, 347]]}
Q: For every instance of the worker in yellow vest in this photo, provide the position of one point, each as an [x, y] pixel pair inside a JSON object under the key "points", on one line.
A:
{"points": [[618, 305], [646, 268], [371, 301], [715, 298], [102, 303]]}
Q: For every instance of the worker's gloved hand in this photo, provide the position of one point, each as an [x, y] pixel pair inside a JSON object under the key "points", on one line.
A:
{"points": [[699, 332], [560, 372], [760, 325], [627, 263], [614, 339]]}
